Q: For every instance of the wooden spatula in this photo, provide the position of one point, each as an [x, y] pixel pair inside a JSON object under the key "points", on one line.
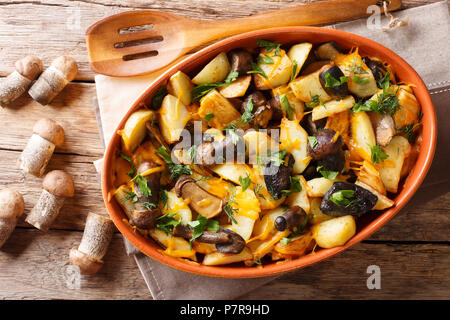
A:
{"points": [[138, 42]]}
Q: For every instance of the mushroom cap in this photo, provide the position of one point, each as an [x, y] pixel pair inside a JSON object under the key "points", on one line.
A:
{"points": [[29, 67], [67, 65], [49, 130], [59, 183], [86, 264], [11, 204]]}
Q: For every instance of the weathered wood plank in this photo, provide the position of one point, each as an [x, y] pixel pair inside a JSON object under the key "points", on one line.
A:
{"points": [[425, 221], [72, 109], [35, 265], [62, 23]]}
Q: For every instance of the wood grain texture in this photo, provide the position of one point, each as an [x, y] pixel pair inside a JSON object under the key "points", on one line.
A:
{"points": [[412, 250], [62, 23], [35, 265]]}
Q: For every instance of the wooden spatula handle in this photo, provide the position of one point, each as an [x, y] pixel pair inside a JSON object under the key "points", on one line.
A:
{"points": [[308, 14]]}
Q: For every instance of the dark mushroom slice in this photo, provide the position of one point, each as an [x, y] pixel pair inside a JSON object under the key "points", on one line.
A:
{"points": [[155, 135], [333, 162], [215, 152], [146, 208], [345, 198], [235, 246], [378, 69], [327, 144], [241, 61], [277, 111], [201, 201], [312, 127], [277, 177], [328, 51], [262, 115], [311, 171], [329, 72], [258, 100], [226, 241], [289, 219]]}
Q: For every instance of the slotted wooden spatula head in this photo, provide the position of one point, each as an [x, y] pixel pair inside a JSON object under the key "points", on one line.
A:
{"points": [[135, 42], [138, 42]]}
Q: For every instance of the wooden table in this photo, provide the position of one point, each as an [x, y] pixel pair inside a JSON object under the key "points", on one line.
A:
{"points": [[412, 250]]}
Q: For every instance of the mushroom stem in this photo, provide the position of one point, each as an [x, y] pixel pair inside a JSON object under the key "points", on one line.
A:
{"points": [[291, 218], [97, 235], [7, 226], [11, 208], [36, 155], [186, 232], [15, 84], [53, 80], [45, 211]]}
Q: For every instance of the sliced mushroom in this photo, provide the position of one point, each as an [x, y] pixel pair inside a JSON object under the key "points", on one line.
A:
{"points": [[241, 61], [235, 246], [377, 67], [275, 105], [204, 203], [312, 127], [156, 136], [209, 153], [359, 202], [384, 127], [289, 219], [333, 162], [146, 208], [262, 115], [277, 178], [340, 90], [258, 100], [327, 144]]}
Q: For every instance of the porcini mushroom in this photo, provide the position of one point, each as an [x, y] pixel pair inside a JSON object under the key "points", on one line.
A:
{"points": [[289, 219], [97, 235], [47, 135], [11, 208], [57, 186], [204, 203], [53, 80], [226, 241], [26, 70]]}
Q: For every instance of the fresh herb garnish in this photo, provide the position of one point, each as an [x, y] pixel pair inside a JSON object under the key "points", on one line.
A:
{"points": [[270, 46], [131, 173], [143, 187], [248, 116], [330, 175], [209, 116], [312, 141], [344, 198], [264, 59], [384, 82], [159, 97], [294, 70], [357, 68], [377, 154], [360, 80], [192, 152], [315, 101], [331, 81], [175, 170], [167, 222], [199, 226], [286, 106], [164, 198], [278, 157], [299, 229], [295, 186], [234, 136], [409, 132], [245, 182], [257, 188], [131, 196], [203, 89], [359, 106], [228, 208], [257, 70], [148, 205]]}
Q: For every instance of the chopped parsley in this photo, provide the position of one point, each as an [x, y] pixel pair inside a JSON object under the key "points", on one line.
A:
{"points": [[315, 101], [377, 154], [143, 187], [192, 152], [330, 175], [294, 70], [248, 116], [312, 141], [331, 81], [132, 172], [203, 89], [344, 198], [286, 106], [164, 198], [167, 222], [209, 116], [257, 70], [148, 205], [264, 59], [409, 132], [158, 97], [295, 186], [359, 80], [245, 182], [299, 229], [175, 170], [199, 226], [228, 208], [131, 196], [269, 46]]}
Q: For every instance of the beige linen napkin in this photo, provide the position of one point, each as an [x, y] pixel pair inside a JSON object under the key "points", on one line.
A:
{"points": [[424, 44]]}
